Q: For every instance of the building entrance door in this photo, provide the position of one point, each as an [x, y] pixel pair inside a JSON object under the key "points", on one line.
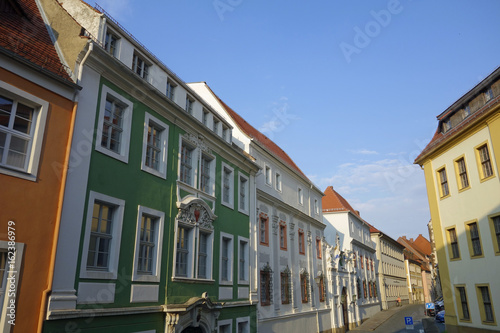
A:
{"points": [[345, 315]]}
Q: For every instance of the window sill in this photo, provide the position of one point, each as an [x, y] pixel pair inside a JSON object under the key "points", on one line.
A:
{"points": [[482, 180], [18, 174], [192, 280]]}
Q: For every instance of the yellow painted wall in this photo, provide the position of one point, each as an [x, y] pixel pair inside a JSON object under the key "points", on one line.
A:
{"points": [[33, 205]]}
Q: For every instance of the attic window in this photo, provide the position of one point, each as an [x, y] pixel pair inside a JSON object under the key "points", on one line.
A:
{"points": [[140, 66], [446, 125], [111, 43]]}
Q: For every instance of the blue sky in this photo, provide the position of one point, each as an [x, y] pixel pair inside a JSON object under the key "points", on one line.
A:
{"points": [[349, 89]]}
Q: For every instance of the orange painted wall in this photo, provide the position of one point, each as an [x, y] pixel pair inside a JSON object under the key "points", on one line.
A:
{"points": [[33, 205]]}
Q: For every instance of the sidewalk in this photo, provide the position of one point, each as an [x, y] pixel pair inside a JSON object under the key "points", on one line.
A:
{"points": [[375, 321]]}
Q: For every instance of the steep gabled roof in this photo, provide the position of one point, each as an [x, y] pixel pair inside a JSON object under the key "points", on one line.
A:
{"points": [[23, 34], [334, 202], [257, 136], [423, 245]]}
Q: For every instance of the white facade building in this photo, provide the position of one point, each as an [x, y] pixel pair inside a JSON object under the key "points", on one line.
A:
{"points": [[355, 290], [288, 247]]}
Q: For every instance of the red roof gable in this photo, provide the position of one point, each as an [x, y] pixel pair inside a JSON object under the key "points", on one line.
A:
{"points": [[23, 33], [332, 201], [423, 245], [260, 138]]}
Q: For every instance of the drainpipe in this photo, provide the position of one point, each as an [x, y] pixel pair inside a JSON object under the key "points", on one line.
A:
{"points": [[46, 292]]}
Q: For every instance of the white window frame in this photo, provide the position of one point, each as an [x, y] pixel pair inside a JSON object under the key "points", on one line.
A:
{"points": [[162, 167], [278, 181], [212, 165], [116, 230], [127, 123], [117, 42], [246, 243], [146, 65], [204, 117], [246, 200], [243, 320], [189, 104], [300, 194], [170, 89], [215, 125], [190, 257], [230, 259], [229, 204], [10, 273], [194, 160], [40, 118], [227, 322], [268, 174], [160, 218], [316, 206], [210, 252]]}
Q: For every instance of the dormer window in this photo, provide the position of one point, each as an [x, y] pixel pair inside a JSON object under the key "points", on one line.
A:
{"points": [[140, 67], [111, 43], [224, 132], [189, 105], [170, 90], [446, 125], [488, 95], [204, 118], [216, 125]]}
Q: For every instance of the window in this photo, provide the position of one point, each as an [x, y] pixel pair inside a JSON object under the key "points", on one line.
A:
{"points": [[484, 298], [495, 232], [204, 117], [115, 120], [9, 269], [371, 264], [226, 260], [283, 245], [318, 248], [278, 181], [364, 288], [321, 289], [264, 230], [462, 305], [102, 237], [485, 167], [316, 207], [300, 196], [243, 325], [285, 286], [186, 172], [304, 286], [216, 125], [225, 131], [189, 104], [111, 42], [182, 256], [154, 150], [443, 181], [302, 245], [355, 260], [170, 89], [488, 94], [453, 243], [225, 326], [203, 255], [206, 183], [147, 253], [370, 289], [227, 186], [265, 286], [244, 261], [474, 240], [243, 197], [140, 67], [375, 289], [461, 170], [268, 173], [361, 259]]}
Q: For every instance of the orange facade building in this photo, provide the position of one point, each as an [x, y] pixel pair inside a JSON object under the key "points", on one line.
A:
{"points": [[36, 118]]}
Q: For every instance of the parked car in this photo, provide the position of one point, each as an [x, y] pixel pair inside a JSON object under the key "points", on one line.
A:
{"points": [[438, 306], [440, 316]]}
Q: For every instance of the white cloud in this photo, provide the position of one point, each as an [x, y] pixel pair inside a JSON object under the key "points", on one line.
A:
{"points": [[389, 193], [364, 152]]}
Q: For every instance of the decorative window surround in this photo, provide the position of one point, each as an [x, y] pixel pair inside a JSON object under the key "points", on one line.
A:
{"points": [[159, 221], [195, 217], [121, 153], [154, 146], [29, 170], [116, 230], [244, 260]]}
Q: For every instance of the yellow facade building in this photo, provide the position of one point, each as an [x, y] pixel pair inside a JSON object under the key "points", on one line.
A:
{"points": [[463, 185]]}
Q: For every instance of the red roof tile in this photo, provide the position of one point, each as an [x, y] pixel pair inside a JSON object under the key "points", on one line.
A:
{"points": [[332, 201], [261, 138], [423, 245], [24, 33]]}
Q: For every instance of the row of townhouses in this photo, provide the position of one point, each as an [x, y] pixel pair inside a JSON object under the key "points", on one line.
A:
{"points": [[155, 207]]}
